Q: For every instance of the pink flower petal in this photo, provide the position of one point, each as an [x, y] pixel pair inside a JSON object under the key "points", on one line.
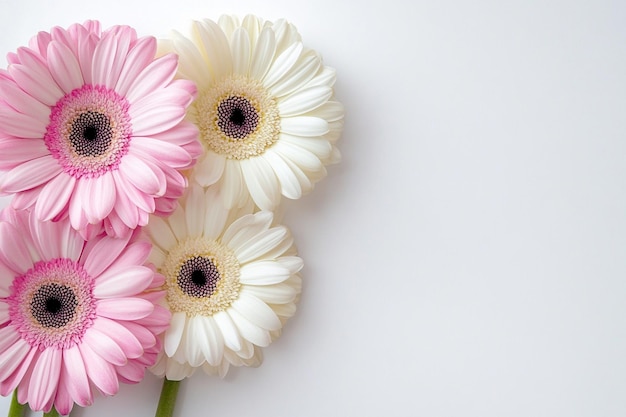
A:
{"points": [[75, 377], [45, 378], [7, 385], [30, 174], [14, 151], [86, 45], [12, 355], [13, 250], [109, 56], [135, 253], [105, 347], [143, 176], [156, 75], [21, 125], [99, 371], [167, 153], [101, 197], [156, 117], [141, 54], [64, 67], [145, 336], [137, 198], [120, 334], [35, 79], [54, 197], [22, 101], [98, 257], [125, 283], [124, 308]]}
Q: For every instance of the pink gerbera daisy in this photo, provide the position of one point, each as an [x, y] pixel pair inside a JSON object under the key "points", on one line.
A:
{"points": [[76, 317], [91, 128]]}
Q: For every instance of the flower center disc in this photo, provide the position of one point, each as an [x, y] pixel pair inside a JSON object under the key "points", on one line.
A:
{"points": [[89, 131], [201, 277], [237, 117], [52, 304]]}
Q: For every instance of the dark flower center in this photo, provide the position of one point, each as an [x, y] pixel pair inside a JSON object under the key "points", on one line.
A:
{"points": [[198, 277], [91, 134], [237, 117], [53, 305]]}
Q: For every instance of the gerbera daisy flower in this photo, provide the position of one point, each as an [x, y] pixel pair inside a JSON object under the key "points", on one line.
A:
{"points": [[265, 109], [91, 127], [231, 281], [76, 317]]}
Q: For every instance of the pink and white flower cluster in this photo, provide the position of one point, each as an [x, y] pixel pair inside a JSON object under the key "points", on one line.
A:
{"points": [[118, 253]]}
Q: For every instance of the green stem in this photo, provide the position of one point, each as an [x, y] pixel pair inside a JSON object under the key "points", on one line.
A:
{"points": [[16, 409], [167, 401], [51, 413]]}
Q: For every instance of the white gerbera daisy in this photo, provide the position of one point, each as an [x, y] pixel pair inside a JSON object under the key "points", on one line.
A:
{"points": [[231, 283], [265, 109]]}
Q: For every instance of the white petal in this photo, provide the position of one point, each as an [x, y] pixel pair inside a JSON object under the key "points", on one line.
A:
{"points": [[261, 182], [174, 334]]}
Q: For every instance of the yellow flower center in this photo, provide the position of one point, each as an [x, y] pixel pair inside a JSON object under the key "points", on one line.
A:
{"points": [[237, 117], [201, 277]]}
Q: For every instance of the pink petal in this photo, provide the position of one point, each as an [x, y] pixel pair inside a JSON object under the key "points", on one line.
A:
{"points": [[121, 335], [101, 198], [124, 308], [141, 54], [13, 250], [35, 79], [54, 197], [14, 151], [99, 256], [99, 371], [143, 175], [64, 67], [105, 347], [182, 134], [156, 117], [137, 198], [76, 213], [125, 283], [30, 174], [86, 46], [63, 402], [109, 57], [125, 210], [156, 75], [75, 377], [135, 254], [21, 125], [7, 385], [145, 336], [12, 357], [166, 153], [45, 378], [22, 101]]}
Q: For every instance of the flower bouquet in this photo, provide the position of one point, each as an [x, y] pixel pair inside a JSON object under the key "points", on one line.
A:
{"points": [[144, 178]]}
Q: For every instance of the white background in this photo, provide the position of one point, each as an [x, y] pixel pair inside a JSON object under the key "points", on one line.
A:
{"points": [[468, 256]]}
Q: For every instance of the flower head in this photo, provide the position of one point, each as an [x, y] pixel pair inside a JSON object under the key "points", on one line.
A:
{"points": [[76, 316], [265, 109], [231, 280], [91, 128]]}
